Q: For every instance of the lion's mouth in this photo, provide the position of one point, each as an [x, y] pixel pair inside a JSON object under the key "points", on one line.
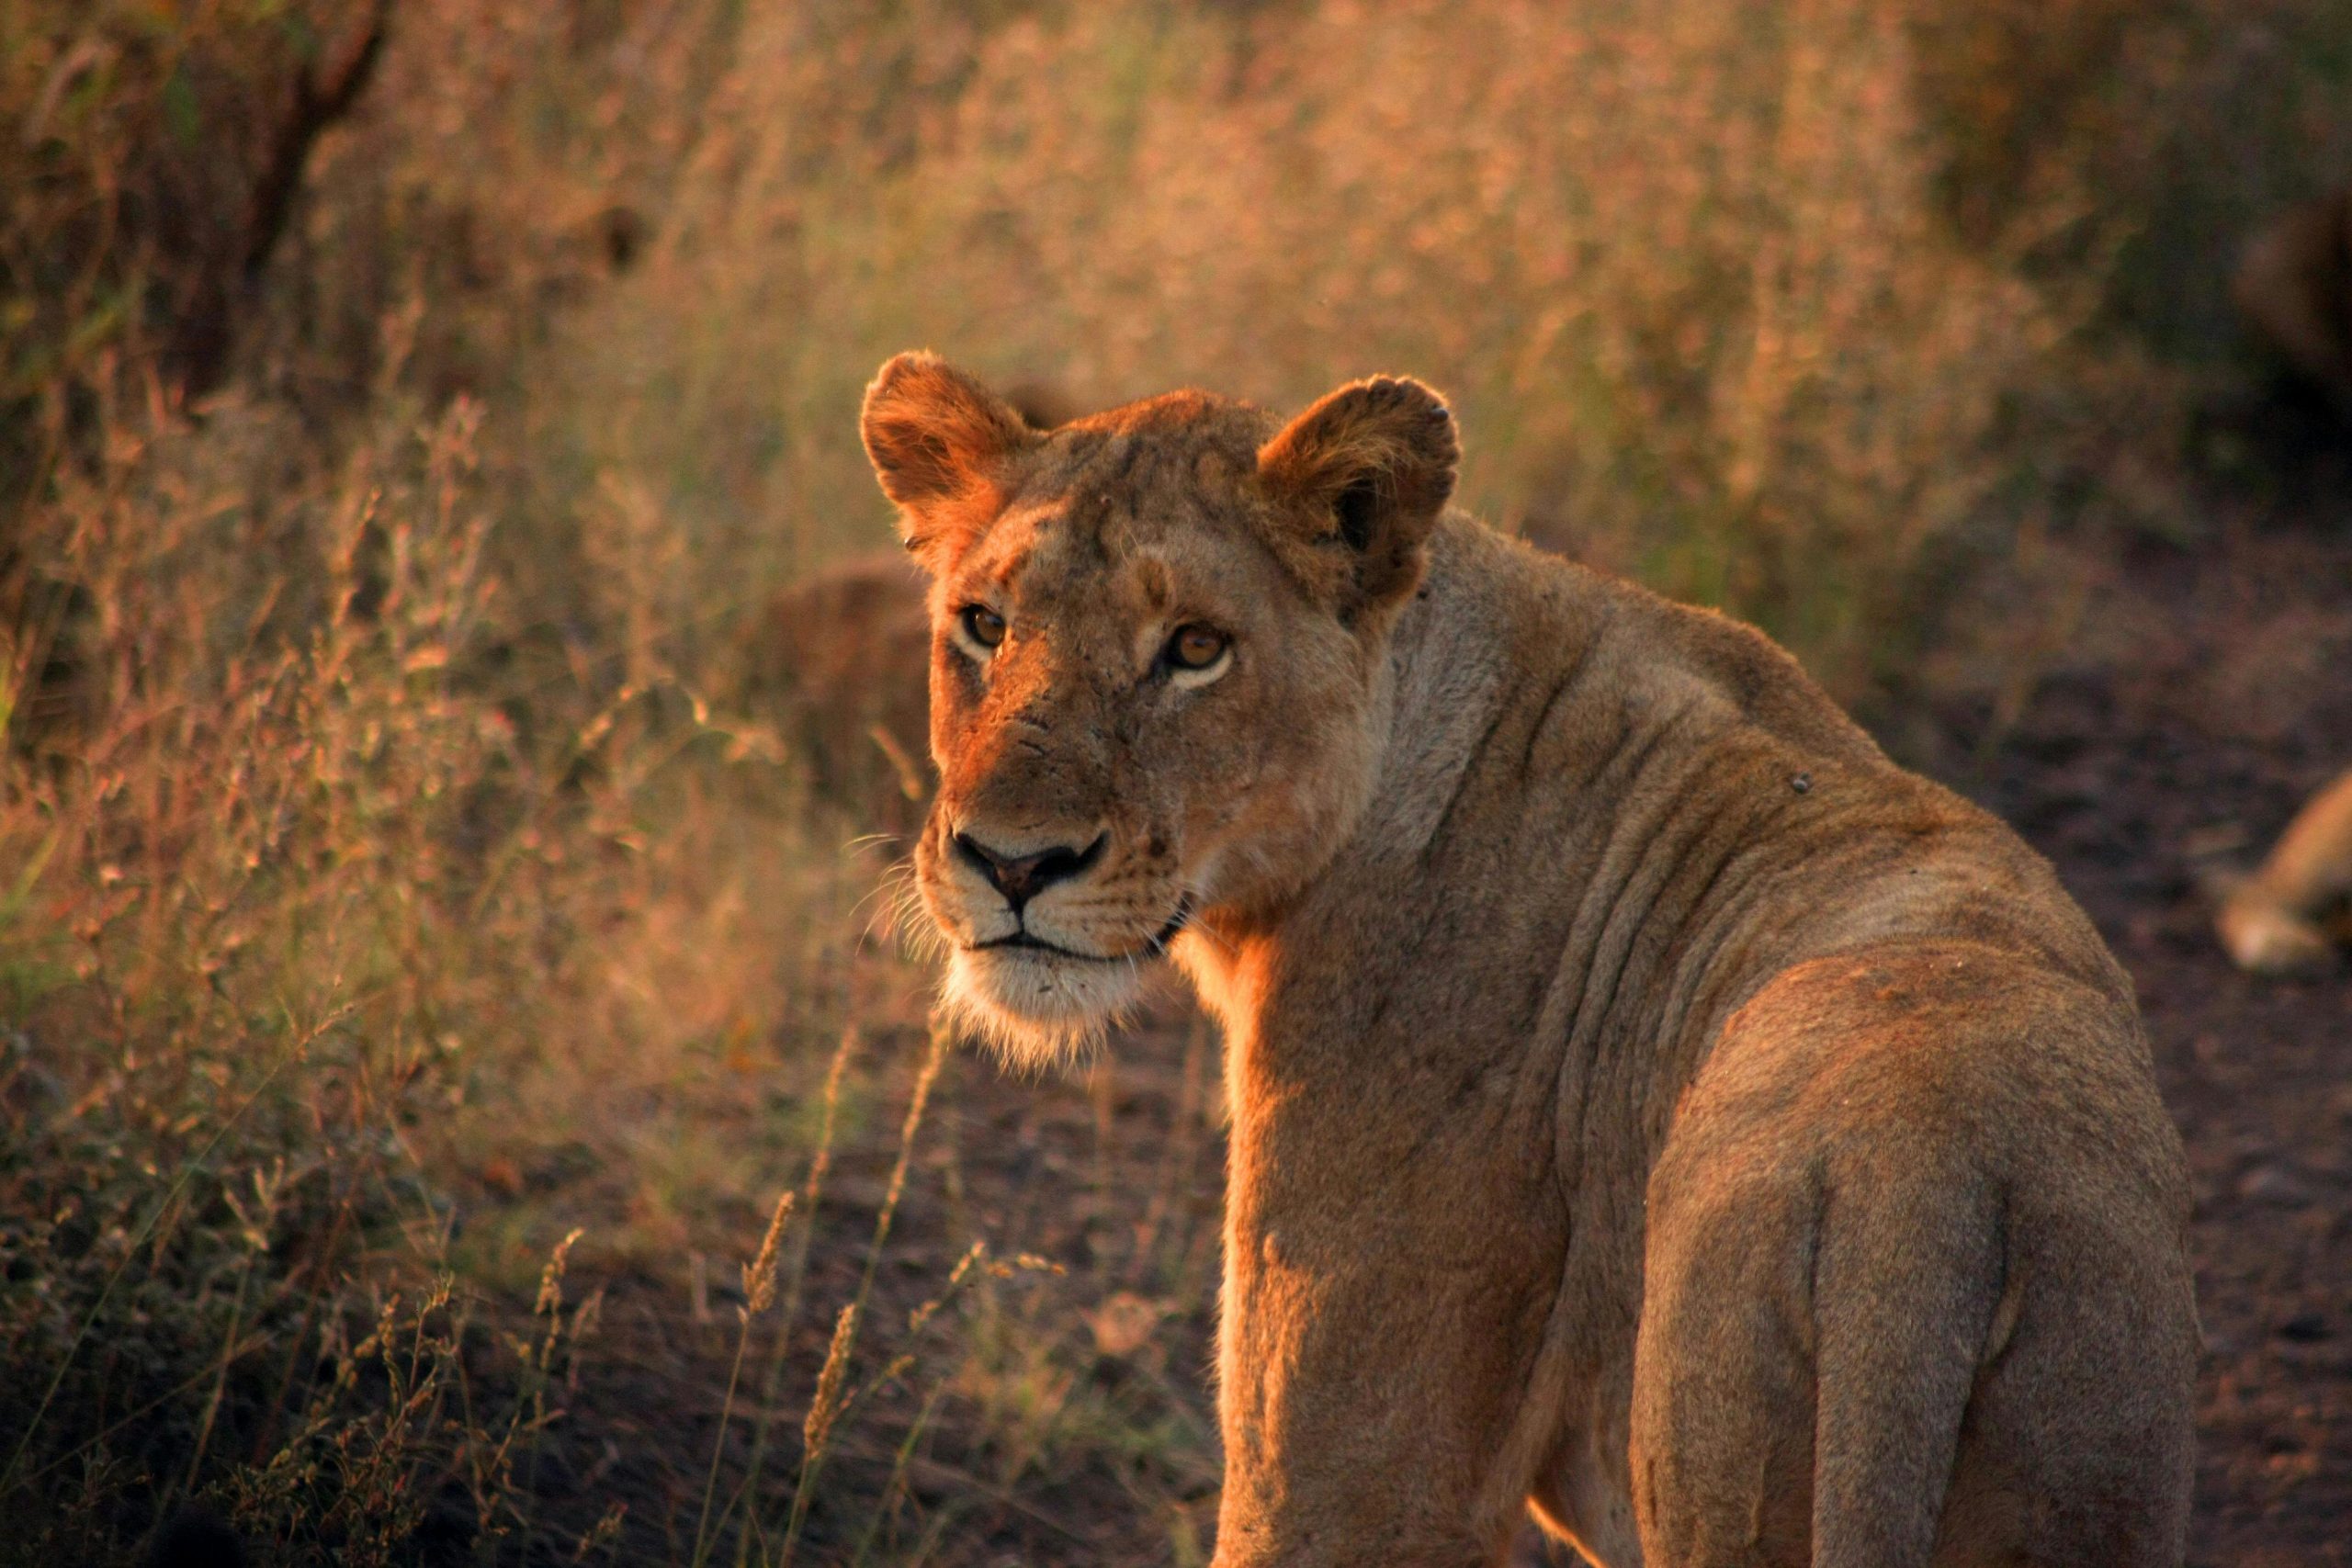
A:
{"points": [[1154, 946]]}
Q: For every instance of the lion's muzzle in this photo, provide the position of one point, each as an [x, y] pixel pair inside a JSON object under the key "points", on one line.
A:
{"points": [[1019, 877]]}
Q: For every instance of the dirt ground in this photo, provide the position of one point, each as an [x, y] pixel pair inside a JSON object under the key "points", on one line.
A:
{"points": [[2214, 694], [2232, 701]]}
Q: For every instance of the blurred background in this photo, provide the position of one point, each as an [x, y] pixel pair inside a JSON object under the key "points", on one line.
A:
{"points": [[449, 787]]}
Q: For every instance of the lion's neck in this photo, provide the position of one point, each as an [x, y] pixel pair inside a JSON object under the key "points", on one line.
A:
{"points": [[1479, 924], [1451, 670]]}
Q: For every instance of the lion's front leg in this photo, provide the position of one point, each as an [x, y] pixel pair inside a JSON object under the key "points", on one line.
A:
{"points": [[1376, 1358]]}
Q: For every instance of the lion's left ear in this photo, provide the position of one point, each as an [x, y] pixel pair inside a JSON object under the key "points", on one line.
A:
{"points": [[1361, 478]]}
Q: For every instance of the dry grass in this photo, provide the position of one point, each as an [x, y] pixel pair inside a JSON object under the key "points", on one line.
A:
{"points": [[422, 970]]}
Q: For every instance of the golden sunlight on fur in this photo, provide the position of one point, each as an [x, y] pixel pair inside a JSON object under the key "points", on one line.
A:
{"points": [[2276, 921], [1652, 1108]]}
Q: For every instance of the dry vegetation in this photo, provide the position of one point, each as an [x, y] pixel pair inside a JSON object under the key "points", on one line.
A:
{"points": [[424, 964]]}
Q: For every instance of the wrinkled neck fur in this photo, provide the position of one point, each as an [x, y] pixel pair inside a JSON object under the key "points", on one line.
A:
{"points": [[1449, 670], [1444, 681]]}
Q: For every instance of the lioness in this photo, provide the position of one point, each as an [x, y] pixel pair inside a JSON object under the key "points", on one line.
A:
{"points": [[1650, 1105], [2276, 922], [840, 656]]}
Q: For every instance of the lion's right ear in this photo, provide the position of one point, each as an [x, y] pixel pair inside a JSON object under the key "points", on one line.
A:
{"points": [[1363, 477], [938, 440]]}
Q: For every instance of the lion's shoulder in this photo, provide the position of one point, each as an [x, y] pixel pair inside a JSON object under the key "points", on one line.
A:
{"points": [[1640, 646]]}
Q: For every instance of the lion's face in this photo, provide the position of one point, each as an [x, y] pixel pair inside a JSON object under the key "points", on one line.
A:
{"points": [[1157, 666]]}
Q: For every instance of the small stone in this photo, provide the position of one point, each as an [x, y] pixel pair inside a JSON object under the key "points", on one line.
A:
{"points": [[1124, 1323], [1802, 784], [2274, 1184]]}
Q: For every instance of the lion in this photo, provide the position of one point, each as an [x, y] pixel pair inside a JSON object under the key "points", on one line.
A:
{"points": [[1650, 1107], [2293, 289], [843, 656], [2278, 920]]}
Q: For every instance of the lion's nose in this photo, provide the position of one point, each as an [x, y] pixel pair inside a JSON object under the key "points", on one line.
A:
{"points": [[1022, 877]]}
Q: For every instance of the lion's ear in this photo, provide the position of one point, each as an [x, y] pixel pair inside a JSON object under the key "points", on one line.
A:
{"points": [[936, 437], [1363, 476]]}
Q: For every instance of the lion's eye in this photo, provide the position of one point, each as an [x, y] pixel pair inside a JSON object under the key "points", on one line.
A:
{"points": [[1196, 646], [983, 625]]}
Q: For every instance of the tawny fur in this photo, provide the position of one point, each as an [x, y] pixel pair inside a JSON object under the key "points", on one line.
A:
{"points": [[1650, 1105], [2278, 920], [842, 658]]}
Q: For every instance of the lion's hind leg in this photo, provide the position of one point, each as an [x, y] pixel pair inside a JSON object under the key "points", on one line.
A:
{"points": [[1811, 1330], [1893, 1318], [1999, 1374], [2078, 1440], [1723, 1409]]}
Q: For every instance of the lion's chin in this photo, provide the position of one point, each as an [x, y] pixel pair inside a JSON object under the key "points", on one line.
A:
{"points": [[1037, 1009]]}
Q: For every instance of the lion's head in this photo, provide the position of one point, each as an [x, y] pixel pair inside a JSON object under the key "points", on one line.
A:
{"points": [[1158, 680]]}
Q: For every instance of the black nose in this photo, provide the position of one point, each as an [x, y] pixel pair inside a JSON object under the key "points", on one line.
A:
{"points": [[1022, 877]]}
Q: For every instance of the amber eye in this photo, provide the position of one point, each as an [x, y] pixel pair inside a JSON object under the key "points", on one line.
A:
{"points": [[983, 625], [1196, 646]]}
